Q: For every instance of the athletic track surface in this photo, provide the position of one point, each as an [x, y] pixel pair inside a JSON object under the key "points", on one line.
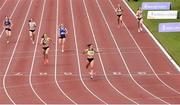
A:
{"points": [[131, 70]]}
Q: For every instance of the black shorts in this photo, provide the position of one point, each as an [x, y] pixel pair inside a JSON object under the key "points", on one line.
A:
{"points": [[8, 29], [62, 36], [139, 19], [45, 48], [90, 59], [31, 30], [119, 15]]}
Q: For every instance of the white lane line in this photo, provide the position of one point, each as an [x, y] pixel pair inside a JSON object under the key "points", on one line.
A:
{"points": [[147, 61], [8, 66], [11, 15], [56, 49], [78, 57], [34, 55], [100, 58], [3, 4], [123, 59]]}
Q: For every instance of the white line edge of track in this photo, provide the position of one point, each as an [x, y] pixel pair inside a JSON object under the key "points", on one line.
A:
{"points": [[147, 61], [156, 41], [56, 48], [8, 66], [77, 53], [11, 15], [124, 61], [100, 58], [3, 4], [34, 55]]}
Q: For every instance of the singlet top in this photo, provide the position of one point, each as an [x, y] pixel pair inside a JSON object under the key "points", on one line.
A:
{"points": [[7, 22], [45, 42], [62, 31], [118, 11], [32, 25], [139, 14], [90, 52]]}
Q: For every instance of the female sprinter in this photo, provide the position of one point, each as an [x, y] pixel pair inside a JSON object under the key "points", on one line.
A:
{"points": [[62, 36], [90, 58], [119, 14], [45, 41], [139, 15], [7, 25], [32, 28]]}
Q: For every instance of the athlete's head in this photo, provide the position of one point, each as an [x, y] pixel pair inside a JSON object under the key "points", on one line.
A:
{"points": [[61, 25], [30, 20], [90, 45], [44, 35], [139, 8]]}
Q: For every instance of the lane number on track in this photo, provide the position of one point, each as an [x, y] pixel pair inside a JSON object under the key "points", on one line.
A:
{"points": [[67, 73], [141, 73], [19, 74], [43, 73], [116, 73]]}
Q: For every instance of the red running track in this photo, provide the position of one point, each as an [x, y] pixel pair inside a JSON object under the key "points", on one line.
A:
{"points": [[131, 70]]}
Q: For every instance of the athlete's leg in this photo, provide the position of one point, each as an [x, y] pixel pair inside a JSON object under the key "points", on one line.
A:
{"points": [[30, 34], [92, 69], [87, 65], [62, 45], [8, 34], [118, 20], [141, 22], [46, 55], [138, 25], [60, 41], [121, 19]]}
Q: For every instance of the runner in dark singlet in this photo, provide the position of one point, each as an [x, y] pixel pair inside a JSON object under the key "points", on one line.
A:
{"points": [[7, 25]]}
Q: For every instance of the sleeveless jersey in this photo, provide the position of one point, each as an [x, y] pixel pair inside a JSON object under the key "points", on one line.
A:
{"points": [[90, 52], [62, 31], [7, 23], [119, 11]]}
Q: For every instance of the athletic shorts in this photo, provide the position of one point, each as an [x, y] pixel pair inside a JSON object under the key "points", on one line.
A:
{"points": [[45, 48], [31, 30], [90, 59], [139, 19], [8, 29], [119, 15], [62, 36]]}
